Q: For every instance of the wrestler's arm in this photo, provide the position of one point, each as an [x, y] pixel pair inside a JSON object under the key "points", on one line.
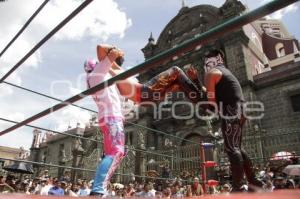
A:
{"points": [[103, 67], [128, 87], [115, 69], [211, 80], [98, 74]]}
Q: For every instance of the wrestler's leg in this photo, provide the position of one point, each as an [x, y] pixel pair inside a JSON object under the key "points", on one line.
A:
{"points": [[237, 170], [131, 89], [248, 168], [114, 141], [232, 134], [161, 83], [173, 79]]}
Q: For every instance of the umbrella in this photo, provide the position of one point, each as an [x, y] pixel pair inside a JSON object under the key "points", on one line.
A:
{"points": [[292, 170], [280, 160], [282, 155], [19, 167]]}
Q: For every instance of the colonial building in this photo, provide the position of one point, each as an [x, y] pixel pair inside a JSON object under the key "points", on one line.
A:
{"points": [[262, 55], [11, 153], [265, 59]]}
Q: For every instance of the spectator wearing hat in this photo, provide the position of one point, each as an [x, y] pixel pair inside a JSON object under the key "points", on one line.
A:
{"points": [[197, 189], [226, 189], [45, 186]]}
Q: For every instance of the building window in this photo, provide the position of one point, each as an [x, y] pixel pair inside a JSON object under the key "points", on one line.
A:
{"points": [[295, 100], [280, 50]]}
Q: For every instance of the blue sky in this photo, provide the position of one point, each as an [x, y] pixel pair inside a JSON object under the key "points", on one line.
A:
{"points": [[56, 68]]}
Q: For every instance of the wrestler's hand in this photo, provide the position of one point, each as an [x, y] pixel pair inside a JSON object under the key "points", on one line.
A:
{"points": [[110, 51]]}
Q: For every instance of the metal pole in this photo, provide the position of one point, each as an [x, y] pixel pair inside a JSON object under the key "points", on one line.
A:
{"points": [[211, 34], [202, 155]]}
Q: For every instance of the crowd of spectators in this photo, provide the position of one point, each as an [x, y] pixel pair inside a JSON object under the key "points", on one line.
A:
{"points": [[173, 189], [151, 188]]}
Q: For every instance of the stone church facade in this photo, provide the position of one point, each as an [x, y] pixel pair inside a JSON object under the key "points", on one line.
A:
{"points": [[262, 55]]}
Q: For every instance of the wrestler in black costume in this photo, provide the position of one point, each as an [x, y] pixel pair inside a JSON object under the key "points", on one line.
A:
{"points": [[224, 89]]}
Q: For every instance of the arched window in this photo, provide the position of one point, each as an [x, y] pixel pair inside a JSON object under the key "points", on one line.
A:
{"points": [[280, 50]]}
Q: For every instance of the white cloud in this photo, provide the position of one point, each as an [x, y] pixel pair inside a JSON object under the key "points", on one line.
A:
{"points": [[99, 19], [14, 77], [4, 90], [281, 13], [10, 26], [16, 116], [17, 139], [70, 116], [75, 91]]}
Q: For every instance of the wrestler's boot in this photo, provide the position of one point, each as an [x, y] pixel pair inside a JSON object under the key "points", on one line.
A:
{"points": [[237, 170], [254, 183], [104, 172], [174, 76], [192, 74], [194, 93]]}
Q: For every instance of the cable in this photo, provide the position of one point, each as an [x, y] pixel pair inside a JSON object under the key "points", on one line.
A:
{"points": [[48, 36], [126, 146], [47, 96], [80, 169], [93, 140], [268, 135], [57, 132], [213, 33], [87, 109], [161, 132], [24, 26], [138, 125], [154, 130]]}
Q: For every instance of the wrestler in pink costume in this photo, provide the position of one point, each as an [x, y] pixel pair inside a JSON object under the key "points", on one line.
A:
{"points": [[109, 102]]}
